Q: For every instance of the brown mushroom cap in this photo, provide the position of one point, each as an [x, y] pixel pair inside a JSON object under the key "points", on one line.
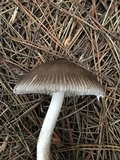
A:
{"points": [[59, 76]]}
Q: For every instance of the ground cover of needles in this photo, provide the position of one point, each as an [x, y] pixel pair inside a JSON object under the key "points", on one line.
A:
{"points": [[86, 32]]}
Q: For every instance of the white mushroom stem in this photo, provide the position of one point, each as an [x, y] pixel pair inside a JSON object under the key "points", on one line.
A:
{"points": [[44, 140]]}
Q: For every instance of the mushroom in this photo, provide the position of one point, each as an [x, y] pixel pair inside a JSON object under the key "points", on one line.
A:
{"points": [[57, 78]]}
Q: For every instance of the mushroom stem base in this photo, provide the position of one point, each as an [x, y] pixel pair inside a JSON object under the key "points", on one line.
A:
{"points": [[44, 140]]}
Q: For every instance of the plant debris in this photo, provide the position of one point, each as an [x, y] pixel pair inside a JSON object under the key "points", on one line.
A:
{"points": [[86, 32]]}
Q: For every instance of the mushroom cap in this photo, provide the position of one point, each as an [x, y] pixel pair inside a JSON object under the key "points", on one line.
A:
{"points": [[59, 76]]}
